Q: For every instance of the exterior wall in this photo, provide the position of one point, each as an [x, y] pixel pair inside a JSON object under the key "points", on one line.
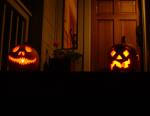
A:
{"points": [[84, 32], [87, 36], [52, 21], [52, 28]]}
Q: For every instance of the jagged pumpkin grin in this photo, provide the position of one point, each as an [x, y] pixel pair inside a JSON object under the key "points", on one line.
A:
{"points": [[123, 65], [22, 60]]}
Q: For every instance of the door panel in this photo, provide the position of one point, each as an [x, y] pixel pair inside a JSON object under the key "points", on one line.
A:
{"points": [[128, 28], [111, 19], [105, 7], [127, 6], [105, 35]]}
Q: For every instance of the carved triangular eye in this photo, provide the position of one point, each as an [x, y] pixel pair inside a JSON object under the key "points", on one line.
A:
{"points": [[113, 53], [15, 49], [28, 49], [126, 53]]}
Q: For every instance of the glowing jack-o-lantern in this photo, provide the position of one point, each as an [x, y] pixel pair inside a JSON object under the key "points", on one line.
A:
{"points": [[23, 57], [123, 58]]}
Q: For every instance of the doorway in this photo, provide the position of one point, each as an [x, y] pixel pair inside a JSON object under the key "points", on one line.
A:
{"points": [[111, 20]]}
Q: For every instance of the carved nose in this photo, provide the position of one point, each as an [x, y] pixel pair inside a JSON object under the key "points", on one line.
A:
{"points": [[21, 53], [119, 57]]}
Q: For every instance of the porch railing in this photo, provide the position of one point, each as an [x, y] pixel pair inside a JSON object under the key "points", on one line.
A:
{"points": [[14, 27]]}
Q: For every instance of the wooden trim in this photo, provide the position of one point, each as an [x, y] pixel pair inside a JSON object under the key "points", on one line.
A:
{"points": [[138, 12], [2, 34], [26, 30], [10, 32], [83, 48], [19, 8], [18, 5], [24, 7], [17, 27], [56, 23], [93, 20], [22, 33], [144, 36]]}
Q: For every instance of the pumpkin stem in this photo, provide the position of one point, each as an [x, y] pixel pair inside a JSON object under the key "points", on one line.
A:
{"points": [[123, 40]]}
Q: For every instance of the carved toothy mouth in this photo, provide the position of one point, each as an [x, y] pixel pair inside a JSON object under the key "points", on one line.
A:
{"points": [[124, 65], [22, 61]]}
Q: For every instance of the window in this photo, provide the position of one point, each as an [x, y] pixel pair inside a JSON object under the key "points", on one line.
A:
{"points": [[70, 24]]}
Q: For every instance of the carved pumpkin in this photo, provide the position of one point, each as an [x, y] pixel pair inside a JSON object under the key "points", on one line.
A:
{"points": [[23, 57], [123, 58]]}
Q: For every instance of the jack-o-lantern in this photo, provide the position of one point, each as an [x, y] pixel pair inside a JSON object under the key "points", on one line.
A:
{"points": [[23, 58], [123, 58]]}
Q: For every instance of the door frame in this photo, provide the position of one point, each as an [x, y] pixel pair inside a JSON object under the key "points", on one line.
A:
{"points": [[145, 52]]}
